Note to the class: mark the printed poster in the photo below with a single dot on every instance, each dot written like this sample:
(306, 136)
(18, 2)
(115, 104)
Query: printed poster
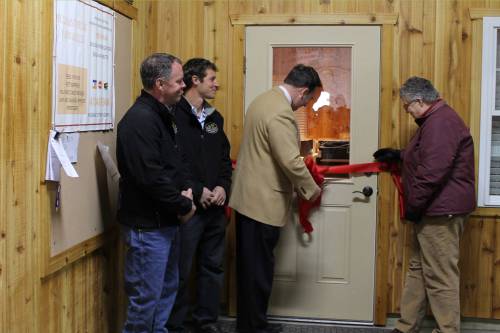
(83, 94)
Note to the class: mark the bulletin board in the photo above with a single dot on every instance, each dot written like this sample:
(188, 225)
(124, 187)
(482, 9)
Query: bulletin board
(88, 204)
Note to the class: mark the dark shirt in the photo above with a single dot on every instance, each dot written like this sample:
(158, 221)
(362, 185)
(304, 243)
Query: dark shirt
(151, 166)
(206, 148)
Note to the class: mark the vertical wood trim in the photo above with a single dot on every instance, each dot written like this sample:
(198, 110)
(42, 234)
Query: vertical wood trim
(475, 88)
(44, 123)
(3, 167)
(234, 133)
(237, 77)
(42, 114)
(386, 189)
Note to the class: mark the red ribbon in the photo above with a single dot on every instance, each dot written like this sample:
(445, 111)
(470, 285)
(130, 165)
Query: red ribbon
(318, 173)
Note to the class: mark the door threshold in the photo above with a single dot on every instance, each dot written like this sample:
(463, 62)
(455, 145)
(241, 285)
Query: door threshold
(304, 320)
(316, 321)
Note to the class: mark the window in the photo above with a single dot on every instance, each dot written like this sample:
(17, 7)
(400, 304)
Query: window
(489, 153)
(324, 123)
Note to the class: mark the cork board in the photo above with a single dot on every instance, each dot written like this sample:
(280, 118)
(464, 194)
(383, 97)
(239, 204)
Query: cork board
(88, 203)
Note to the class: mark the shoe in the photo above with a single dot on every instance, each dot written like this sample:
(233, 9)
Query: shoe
(209, 328)
(396, 331)
(274, 328)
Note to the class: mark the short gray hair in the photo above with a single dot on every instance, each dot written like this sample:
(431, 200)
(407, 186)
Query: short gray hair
(418, 88)
(156, 66)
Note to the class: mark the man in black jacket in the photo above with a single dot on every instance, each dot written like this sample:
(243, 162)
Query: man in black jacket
(155, 195)
(202, 138)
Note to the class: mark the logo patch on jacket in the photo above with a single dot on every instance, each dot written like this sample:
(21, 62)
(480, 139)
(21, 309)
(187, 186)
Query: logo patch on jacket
(211, 128)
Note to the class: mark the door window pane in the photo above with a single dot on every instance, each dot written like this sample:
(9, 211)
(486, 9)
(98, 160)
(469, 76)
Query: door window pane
(324, 124)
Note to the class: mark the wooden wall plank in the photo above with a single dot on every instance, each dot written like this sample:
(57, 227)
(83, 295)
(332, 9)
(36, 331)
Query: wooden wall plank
(485, 268)
(234, 130)
(386, 189)
(495, 302)
(469, 271)
(3, 168)
(168, 27)
(192, 35)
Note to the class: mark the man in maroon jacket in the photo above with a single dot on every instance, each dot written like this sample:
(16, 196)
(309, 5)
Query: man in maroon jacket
(439, 189)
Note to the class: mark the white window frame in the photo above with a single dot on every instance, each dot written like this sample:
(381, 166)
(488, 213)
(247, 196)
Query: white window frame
(489, 69)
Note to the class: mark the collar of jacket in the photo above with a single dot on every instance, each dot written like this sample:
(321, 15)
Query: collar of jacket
(155, 104)
(187, 107)
(282, 93)
(433, 108)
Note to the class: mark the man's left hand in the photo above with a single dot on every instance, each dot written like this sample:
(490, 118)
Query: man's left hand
(218, 196)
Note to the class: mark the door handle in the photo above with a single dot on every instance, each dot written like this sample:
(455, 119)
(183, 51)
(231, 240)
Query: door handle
(367, 191)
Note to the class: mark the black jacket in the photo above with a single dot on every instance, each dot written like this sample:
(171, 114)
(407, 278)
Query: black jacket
(151, 166)
(206, 149)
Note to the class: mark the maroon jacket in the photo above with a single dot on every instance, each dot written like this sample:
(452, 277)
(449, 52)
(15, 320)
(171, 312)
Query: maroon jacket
(438, 165)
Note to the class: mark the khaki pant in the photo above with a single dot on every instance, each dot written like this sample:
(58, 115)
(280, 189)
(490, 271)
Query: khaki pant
(433, 276)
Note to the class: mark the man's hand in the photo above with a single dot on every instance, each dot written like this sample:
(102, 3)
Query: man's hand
(218, 196)
(186, 217)
(205, 199)
(188, 194)
(316, 195)
(387, 155)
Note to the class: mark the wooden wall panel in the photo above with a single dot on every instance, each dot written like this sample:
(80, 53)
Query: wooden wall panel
(3, 168)
(72, 300)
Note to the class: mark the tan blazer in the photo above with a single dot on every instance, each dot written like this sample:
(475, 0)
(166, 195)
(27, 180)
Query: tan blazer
(269, 165)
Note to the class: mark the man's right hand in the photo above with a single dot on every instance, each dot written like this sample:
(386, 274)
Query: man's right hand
(315, 195)
(205, 199)
(188, 194)
(186, 217)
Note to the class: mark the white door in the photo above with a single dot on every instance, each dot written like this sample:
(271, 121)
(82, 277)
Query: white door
(331, 274)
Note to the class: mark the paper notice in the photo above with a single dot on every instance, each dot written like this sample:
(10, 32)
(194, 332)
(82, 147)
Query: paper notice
(70, 143)
(53, 166)
(108, 162)
(57, 157)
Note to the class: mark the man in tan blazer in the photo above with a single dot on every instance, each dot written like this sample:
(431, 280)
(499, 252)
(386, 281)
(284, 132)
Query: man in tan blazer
(268, 171)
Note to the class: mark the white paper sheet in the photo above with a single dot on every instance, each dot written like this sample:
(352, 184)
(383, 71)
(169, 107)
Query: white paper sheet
(57, 157)
(53, 166)
(70, 143)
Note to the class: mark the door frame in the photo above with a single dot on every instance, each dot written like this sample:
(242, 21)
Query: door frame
(386, 197)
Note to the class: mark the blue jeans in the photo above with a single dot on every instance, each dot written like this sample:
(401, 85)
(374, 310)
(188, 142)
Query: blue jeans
(151, 278)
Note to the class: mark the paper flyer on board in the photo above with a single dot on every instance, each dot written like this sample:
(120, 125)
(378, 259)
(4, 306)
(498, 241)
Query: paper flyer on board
(57, 158)
(83, 70)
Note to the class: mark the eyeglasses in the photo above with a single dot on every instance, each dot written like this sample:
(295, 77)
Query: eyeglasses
(407, 105)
